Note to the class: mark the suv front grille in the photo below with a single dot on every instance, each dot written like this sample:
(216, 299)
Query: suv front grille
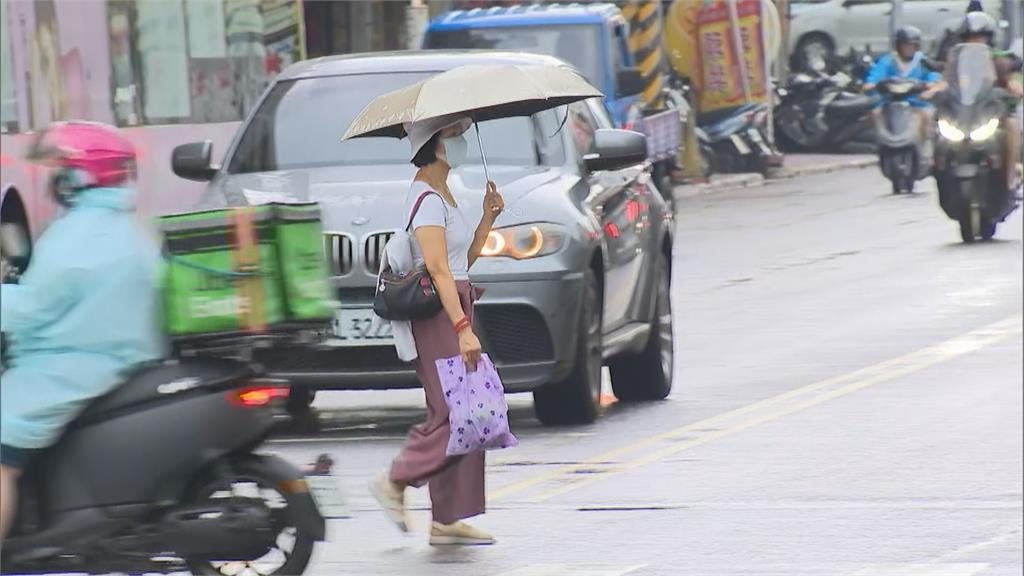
(515, 334)
(339, 253)
(373, 250)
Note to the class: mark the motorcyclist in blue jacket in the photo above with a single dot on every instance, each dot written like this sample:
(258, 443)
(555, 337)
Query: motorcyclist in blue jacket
(85, 310)
(908, 62)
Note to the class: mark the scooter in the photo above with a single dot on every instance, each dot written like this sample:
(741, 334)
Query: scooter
(161, 475)
(823, 112)
(970, 152)
(737, 139)
(903, 153)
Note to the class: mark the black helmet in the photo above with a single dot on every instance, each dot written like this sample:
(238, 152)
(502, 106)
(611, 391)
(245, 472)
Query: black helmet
(978, 24)
(908, 35)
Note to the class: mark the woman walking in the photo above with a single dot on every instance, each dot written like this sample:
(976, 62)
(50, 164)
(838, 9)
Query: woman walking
(448, 246)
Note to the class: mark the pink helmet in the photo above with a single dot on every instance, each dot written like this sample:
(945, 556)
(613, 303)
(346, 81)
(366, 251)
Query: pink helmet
(95, 153)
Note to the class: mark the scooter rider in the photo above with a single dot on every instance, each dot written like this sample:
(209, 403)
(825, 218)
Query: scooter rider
(980, 28)
(908, 62)
(85, 309)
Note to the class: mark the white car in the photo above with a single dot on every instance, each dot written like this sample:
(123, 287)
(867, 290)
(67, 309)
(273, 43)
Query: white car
(822, 28)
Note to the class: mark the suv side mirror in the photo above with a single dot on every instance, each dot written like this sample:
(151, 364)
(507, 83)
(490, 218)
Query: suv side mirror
(629, 82)
(616, 149)
(192, 161)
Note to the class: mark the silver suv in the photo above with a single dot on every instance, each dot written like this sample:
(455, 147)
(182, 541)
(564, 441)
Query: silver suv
(576, 274)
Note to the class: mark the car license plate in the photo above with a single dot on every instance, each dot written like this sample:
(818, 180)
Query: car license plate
(360, 327)
(330, 500)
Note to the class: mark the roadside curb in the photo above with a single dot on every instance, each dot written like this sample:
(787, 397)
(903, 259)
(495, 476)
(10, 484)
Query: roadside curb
(735, 181)
(825, 168)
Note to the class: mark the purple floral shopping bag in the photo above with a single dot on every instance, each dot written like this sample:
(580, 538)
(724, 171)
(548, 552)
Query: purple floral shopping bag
(477, 411)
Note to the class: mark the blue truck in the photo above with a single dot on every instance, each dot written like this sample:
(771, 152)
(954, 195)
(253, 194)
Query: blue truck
(593, 38)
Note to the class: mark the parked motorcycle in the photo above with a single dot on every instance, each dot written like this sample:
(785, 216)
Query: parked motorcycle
(970, 151)
(161, 475)
(738, 139)
(903, 150)
(823, 112)
(678, 94)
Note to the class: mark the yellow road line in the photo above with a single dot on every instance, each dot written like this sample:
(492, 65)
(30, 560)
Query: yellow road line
(760, 412)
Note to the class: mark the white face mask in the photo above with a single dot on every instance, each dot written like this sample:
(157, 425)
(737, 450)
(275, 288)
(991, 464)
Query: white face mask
(455, 151)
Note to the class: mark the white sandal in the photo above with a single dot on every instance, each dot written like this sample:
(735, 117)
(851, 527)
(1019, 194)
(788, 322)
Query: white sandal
(458, 534)
(391, 499)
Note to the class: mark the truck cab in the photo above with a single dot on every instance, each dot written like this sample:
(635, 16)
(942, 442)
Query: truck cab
(593, 38)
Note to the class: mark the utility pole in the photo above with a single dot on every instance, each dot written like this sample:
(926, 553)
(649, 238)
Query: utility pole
(1013, 12)
(895, 21)
(417, 16)
(782, 59)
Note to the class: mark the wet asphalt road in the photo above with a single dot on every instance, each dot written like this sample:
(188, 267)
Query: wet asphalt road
(848, 401)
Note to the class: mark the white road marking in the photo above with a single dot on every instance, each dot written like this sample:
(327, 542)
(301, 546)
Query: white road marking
(568, 570)
(1013, 532)
(966, 569)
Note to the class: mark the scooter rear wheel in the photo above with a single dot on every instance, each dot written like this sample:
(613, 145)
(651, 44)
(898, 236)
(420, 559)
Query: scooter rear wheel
(966, 230)
(292, 548)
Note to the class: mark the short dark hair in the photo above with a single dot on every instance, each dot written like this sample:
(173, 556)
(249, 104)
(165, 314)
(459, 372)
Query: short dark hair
(427, 154)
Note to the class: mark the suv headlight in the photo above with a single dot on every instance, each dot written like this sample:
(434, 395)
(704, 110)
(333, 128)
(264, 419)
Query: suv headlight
(985, 131)
(524, 241)
(950, 132)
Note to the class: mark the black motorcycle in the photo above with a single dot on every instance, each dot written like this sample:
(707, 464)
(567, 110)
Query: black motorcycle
(737, 138)
(970, 153)
(903, 153)
(161, 475)
(823, 112)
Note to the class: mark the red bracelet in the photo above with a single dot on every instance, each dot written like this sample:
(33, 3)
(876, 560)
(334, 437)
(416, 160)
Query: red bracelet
(462, 324)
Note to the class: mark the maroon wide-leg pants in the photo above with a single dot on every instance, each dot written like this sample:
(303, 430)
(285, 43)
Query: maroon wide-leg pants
(456, 482)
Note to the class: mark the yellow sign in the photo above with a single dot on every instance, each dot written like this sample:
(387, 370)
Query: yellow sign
(702, 45)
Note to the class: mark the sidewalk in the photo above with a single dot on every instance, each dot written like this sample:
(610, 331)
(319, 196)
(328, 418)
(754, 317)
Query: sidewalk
(794, 165)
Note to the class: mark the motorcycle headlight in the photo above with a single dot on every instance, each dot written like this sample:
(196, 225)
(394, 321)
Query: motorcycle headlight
(524, 241)
(985, 131)
(950, 132)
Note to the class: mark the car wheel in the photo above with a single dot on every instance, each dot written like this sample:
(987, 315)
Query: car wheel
(811, 49)
(300, 402)
(576, 399)
(648, 375)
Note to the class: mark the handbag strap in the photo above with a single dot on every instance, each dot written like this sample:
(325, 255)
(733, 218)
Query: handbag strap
(416, 207)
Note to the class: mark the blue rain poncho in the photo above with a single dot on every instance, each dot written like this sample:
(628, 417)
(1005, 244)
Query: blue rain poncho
(83, 313)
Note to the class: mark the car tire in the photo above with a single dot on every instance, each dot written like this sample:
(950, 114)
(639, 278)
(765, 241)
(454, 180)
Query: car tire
(577, 399)
(300, 402)
(648, 375)
(811, 45)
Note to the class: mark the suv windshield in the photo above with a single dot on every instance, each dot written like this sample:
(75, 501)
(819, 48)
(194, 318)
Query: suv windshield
(300, 124)
(573, 43)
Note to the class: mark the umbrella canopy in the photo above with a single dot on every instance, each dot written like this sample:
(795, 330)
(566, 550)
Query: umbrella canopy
(479, 92)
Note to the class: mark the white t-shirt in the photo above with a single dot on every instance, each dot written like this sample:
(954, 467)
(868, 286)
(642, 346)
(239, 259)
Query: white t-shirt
(436, 212)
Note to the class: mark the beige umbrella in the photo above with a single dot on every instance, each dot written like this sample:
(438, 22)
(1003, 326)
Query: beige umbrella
(479, 92)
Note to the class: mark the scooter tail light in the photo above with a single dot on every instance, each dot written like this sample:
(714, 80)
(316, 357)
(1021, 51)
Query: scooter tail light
(258, 393)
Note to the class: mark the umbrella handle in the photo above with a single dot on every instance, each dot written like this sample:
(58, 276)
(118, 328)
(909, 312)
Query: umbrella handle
(480, 143)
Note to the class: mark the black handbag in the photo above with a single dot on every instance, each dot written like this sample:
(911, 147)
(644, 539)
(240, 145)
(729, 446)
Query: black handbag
(408, 296)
